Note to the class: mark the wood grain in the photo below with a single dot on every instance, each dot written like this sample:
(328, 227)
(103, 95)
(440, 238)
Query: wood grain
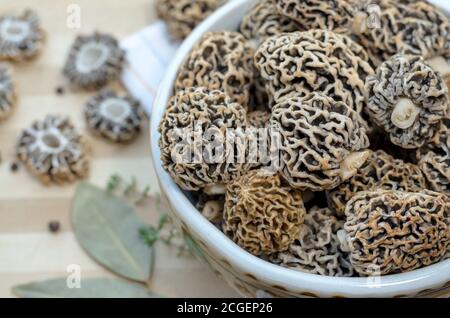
(28, 252)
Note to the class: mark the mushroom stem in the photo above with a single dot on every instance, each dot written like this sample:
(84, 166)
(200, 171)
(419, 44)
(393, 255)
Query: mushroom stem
(352, 163)
(440, 65)
(343, 237)
(359, 24)
(404, 113)
(216, 188)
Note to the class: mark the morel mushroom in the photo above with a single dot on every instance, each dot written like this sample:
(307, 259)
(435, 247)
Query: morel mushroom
(194, 128)
(182, 16)
(408, 100)
(7, 92)
(302, 62)
(322, 142)
(114, 117)
(380, 171)
(94, 61)
(393, 231)
(259, 119)
(21, 36)
(221, 60)
(434, 160)
(261, 215)
(54, 151)
(264, 21)
(317, 248)
(211, 207)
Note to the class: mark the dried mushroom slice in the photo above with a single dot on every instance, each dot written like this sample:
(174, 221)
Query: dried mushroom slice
(408, 100)
(21, 36)
(264, 21)
(190, 154)
(322, 142)
(259, 119)
(317, 249)
(261, 214)
(94, 61)
(182, 16)
(315, 61)
(380, 171)
(434, 160)
(7, 92)
(54, 151)
(221, 60)
(393, 231)
(334, 15)
(114, 117)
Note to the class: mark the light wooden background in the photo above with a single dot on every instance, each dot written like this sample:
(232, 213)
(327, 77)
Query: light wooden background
(28, 252)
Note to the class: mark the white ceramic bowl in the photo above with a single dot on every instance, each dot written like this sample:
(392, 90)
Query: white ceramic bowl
(248, 274)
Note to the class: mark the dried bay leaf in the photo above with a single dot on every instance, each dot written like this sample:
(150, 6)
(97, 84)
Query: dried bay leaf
(108, 229)
(89, 288)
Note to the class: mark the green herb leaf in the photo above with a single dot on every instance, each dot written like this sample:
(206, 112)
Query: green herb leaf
(89, 288)
(107, 228)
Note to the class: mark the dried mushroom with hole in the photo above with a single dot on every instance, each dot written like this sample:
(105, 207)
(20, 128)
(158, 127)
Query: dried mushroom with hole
(261, 214)
(380, 171)
(94, 61)
(193, 131)
(408, 100)
(221, 60)
(322, 143)
(182, 16)
(317, 249)
(393, 231)
(434, 160)
(7, 92)
(264, 21)
(54, 151)
(118, 118)
(21, 36)
(315, 61)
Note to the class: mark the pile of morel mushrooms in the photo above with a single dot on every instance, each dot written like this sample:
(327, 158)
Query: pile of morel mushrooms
(353, 97)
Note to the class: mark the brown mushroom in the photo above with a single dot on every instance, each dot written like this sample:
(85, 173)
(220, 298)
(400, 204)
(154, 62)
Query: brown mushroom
(315, 61)
(193, 131)
(434, 160)
(408, 100)
(54, 151)
(7, 92)
(94, 61)
(221, 60)
(261, 215)
(317, 249)
(380, 171)
(182, 16)
(259, 119)
(393, 231)
(211, 207)
(21, 36)
(118, 118)
(322, 142)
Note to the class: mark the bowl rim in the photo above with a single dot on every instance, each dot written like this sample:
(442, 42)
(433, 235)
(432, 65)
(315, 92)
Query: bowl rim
(409, 283)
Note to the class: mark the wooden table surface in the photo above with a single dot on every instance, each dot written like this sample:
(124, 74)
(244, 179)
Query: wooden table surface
(28, 252)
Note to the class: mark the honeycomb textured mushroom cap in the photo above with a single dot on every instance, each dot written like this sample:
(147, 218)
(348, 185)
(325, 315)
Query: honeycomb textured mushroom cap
(221, 60)
(94, 61)
(54, 151)
(21, 36)
(182, 16)
(408, 27)
(261, 214)
(317, 250)
(264, 21)
(333, 15)
(321, 141)
(190, 117)
(434, 160)
(380, 171)
(302, 62)
(7, 91)
(259, 119)
(393, 231)
(408, 100)
(118, 118)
